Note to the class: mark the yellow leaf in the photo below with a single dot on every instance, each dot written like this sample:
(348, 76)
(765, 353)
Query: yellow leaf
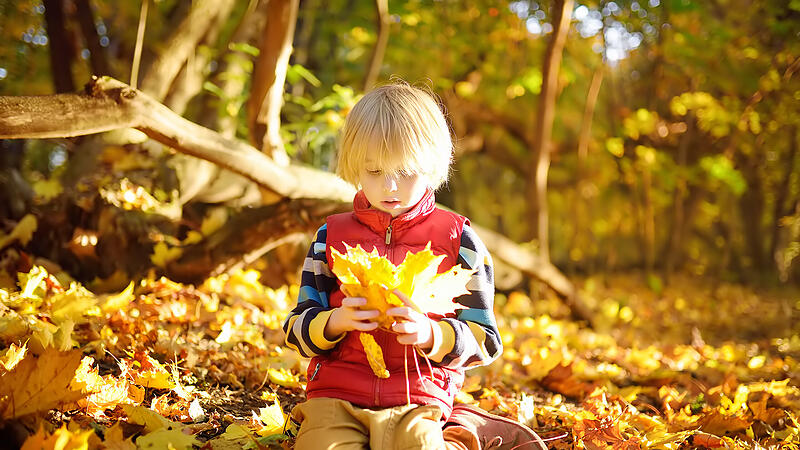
(151, 420)
(22, 232)
(61, 439)
(13, 356)
(153, 375)
(118, 301)
(48, 189)
(71, 304)
(271, 418)
(164, 439)
(235, 437)
(33, 283)
(757, 362)
(374, 355)
(163, 254)
(115, 439)
(104, 392)
(215, 219)
(283, 377)
(39, 383)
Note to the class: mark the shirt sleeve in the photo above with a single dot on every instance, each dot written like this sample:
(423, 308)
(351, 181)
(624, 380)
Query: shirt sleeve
(472, 338)
(305, 325)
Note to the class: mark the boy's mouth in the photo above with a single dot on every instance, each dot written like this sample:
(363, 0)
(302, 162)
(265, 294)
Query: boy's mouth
(390, 203)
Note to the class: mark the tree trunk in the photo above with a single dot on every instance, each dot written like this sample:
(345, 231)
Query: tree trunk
(189, 81)
(61, 53)
(232, 75)
(784, 188)
(269, 75)
(675, 239)
(578, 209)
(303, 39)
(751, 204)
(540, 161)
(181, 45)
(97, 56)
(648, 219)
(382, 39)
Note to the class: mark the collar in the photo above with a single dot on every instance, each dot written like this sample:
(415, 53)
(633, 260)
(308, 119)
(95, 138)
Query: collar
(378, 220)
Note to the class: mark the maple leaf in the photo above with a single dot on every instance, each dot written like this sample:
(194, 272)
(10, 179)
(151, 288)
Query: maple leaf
(369, 275)
(152, 374)
(164, 438)
(114, 439)
(40, 383)
(235, 437)
(105, 392)
(269, 420)
(283, 377)
(151, 420)
(61, 439)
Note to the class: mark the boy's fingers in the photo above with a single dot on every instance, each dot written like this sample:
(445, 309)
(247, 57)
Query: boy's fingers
(365, 326)
(400, 311)
(404, 327)
(354, 301)
(368, 314)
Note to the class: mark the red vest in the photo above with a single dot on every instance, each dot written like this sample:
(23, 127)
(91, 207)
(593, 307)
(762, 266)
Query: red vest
(345, 373)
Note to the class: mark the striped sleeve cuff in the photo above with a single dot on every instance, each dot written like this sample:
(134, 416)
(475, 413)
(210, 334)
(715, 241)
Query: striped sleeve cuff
(444, 338)
(316, 331)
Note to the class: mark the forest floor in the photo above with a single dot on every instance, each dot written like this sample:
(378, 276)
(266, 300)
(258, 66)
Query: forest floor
(697, 364)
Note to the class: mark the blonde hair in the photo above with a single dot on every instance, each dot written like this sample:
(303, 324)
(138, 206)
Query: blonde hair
(403, 128)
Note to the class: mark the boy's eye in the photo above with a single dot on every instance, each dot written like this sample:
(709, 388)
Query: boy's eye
(374, 172)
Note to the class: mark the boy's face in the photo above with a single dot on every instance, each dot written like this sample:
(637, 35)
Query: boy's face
(391, 193)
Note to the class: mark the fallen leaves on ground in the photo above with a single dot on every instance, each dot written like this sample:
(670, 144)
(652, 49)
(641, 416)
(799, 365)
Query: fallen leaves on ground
(165, 364)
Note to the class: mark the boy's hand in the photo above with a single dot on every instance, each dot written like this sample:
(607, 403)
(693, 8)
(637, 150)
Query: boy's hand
(412, 327)
(348, 318)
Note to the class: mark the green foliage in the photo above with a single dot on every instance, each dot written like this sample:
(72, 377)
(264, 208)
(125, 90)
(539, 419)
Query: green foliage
(720, 168)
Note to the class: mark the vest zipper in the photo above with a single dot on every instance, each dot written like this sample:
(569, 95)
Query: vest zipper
(388, 235)
(314, 375)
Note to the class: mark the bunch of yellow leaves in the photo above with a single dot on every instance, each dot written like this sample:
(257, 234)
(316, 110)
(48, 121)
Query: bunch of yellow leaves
(375, 278)
(369, 275)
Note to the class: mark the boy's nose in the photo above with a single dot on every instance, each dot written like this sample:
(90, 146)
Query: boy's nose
(390, 183)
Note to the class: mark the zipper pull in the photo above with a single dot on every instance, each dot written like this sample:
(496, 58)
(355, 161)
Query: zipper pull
(388, 235)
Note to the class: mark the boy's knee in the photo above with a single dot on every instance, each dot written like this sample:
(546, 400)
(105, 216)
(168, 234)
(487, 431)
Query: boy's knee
(419, 429)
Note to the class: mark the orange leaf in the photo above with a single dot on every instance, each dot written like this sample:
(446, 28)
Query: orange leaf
(38, 384)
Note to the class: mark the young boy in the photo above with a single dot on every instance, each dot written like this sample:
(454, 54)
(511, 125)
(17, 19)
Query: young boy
(396, 148)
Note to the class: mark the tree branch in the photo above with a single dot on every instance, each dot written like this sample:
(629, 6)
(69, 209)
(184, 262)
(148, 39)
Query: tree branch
(109, 104)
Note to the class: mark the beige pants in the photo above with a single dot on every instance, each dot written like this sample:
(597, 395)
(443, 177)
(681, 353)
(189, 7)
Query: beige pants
(329, 423)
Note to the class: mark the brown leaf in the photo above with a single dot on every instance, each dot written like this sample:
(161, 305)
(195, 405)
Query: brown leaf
(38, 384)
(562, 380)
(716, 422)
(765, 414)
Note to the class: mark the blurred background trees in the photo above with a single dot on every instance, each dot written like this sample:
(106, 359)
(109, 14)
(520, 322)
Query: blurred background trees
(673, 147)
